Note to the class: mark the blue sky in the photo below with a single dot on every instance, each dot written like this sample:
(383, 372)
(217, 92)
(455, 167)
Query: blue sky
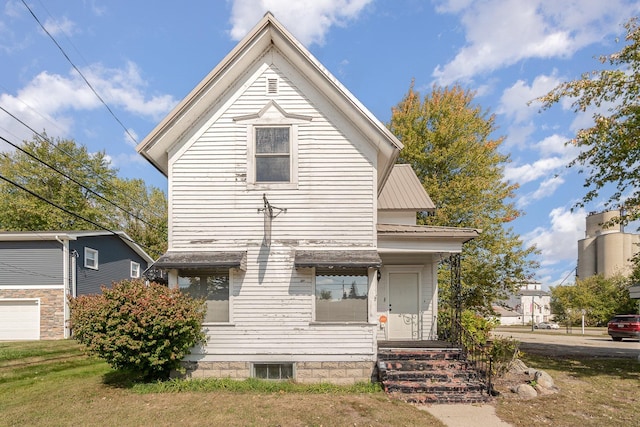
(144, 57)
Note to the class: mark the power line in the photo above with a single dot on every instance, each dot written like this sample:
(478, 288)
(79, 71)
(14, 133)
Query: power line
(50, 141)
(77, 182)
(67, 211)
(80, 73)
(101, 227)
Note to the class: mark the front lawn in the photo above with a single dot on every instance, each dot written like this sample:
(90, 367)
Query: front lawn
(593, 392)
(50, 383)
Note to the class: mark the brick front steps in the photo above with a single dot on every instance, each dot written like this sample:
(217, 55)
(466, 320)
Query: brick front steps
(429, 376)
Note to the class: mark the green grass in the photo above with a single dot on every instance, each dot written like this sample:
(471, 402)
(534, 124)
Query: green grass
(52, 383)
(593, 392)
(250, 385)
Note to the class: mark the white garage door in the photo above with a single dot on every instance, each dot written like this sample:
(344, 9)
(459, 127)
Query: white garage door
(19, 319)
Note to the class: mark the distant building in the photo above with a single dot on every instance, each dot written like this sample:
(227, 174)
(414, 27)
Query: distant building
(606, 251)
(531, 303)
(507, 317)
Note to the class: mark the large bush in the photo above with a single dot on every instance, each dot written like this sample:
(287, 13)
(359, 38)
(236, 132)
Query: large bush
(147, 329)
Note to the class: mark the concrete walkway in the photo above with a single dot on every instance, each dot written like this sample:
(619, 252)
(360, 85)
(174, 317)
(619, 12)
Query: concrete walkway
(465, 415)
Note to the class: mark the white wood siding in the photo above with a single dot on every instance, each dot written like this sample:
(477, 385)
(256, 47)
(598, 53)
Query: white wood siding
(211, 206)
(332, 206)
(272, 318)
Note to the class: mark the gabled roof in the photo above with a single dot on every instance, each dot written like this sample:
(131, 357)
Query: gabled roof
(404, 191)
(24, 236)
(268, 33)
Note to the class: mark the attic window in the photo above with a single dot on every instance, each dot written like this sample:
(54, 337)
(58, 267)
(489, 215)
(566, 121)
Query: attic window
(272, 86)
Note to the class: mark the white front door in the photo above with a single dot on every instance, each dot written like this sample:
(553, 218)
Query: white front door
(403, 306)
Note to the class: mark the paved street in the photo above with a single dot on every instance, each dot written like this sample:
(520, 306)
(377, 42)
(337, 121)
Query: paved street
(594, 343)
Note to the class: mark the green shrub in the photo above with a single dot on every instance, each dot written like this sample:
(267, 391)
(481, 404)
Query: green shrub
(146, 329)
(477, 326)
(504, 351)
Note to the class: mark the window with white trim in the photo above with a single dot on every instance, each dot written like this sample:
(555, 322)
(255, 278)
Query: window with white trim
(213, 287)
(135, 270)
(341, 298)
(91, 258)
(272, 154)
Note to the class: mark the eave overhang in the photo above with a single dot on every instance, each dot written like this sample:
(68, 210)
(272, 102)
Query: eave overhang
(423, 238)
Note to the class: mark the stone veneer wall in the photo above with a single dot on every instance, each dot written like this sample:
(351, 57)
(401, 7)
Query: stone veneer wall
(305, 372)
(51, 309)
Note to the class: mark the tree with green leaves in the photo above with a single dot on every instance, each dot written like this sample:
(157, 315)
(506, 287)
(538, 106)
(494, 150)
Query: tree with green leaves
(600, 299)
(43, 173)
(610, 149)
(448, 141)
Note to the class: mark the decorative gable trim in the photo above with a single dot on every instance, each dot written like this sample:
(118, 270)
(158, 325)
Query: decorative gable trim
(272, 113)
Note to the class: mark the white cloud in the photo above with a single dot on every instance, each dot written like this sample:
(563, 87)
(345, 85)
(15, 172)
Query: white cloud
(546, 189)
(554, 155)
(126, 159)
(64, 26)
(518, 135)
(124, 87)
(532, 171)
(13, 8)
(49, 101)
(500, 33)
(558, 243)
(308, 20)
(514, 102)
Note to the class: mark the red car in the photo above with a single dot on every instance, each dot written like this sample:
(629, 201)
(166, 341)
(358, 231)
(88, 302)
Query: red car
(624, 326)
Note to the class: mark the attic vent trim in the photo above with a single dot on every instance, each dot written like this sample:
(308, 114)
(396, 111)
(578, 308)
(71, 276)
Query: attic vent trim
(272, 86)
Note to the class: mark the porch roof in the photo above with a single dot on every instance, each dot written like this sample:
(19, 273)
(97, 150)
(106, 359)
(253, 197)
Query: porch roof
(337, 259)
(202, 260)
(427, 231)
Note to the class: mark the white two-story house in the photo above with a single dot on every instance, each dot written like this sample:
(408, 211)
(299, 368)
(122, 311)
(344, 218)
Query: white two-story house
(288, 214)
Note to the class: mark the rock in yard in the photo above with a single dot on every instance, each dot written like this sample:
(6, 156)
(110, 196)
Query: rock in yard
(525, 391)
(544, 380)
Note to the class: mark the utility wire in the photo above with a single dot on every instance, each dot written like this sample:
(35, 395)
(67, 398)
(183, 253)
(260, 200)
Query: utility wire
(50, 141)
(101, 227)
(67, 211)
(77, 182)
(80, 72)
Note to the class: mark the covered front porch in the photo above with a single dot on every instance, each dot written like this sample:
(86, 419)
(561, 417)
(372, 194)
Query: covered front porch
(407, 291)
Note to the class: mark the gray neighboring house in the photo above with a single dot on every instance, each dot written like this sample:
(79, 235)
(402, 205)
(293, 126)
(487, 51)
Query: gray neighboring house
(38, 270)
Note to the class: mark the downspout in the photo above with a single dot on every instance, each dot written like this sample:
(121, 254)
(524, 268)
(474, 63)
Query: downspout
(65, 280)
(74, 279)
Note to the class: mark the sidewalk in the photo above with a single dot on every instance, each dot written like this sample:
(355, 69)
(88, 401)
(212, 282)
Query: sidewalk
(465, 415)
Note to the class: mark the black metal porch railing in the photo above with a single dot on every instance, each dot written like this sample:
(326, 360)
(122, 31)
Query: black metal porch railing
(474, 353)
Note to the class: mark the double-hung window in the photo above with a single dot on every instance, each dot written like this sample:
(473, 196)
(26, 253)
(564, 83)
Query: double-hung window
(135, 270)
(272, 144)
(272, 154)
(91, 258)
